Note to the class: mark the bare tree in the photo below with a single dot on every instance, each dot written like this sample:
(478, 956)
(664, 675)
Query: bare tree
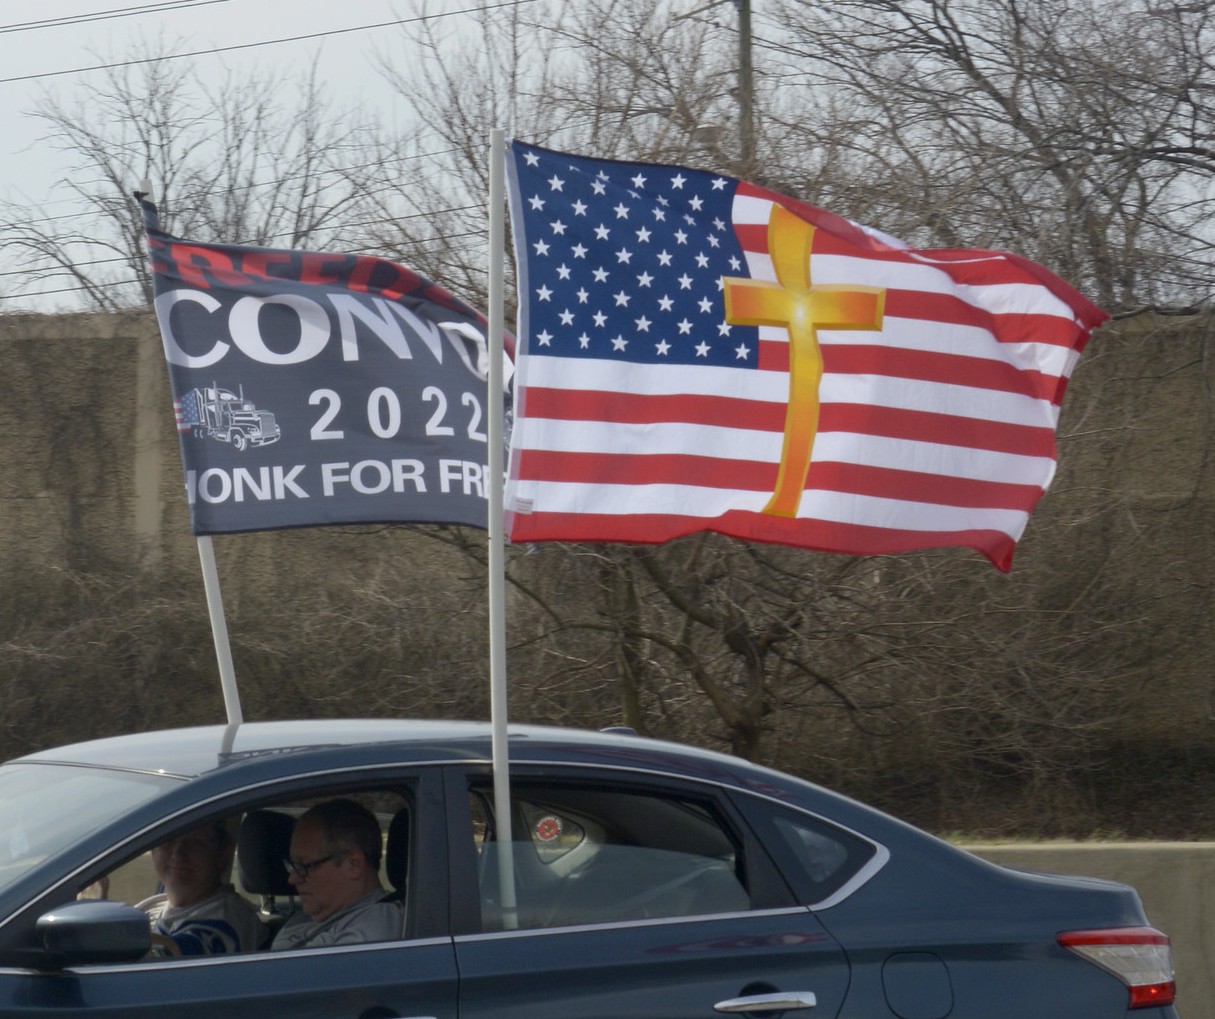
(266, 160)
(1074, 132)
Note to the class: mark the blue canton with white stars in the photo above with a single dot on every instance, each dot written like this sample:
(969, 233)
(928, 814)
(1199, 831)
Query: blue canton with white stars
(624, 261)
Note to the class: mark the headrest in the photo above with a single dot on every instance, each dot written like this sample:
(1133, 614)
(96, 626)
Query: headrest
(396, 854)
(263, 844)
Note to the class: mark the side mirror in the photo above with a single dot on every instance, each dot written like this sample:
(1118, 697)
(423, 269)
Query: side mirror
(93, 931)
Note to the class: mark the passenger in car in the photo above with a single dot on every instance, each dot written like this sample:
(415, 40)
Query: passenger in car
(199, 912)
(334, 867)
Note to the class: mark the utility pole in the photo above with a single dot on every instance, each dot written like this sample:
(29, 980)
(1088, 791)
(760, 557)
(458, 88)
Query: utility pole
(746, 89)
(746, 124)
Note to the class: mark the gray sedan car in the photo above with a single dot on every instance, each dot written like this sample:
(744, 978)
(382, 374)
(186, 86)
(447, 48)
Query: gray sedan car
(643, 880)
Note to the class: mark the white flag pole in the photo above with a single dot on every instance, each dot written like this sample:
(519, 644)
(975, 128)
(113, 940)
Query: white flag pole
(497, 559)
(206, 556)
(219, 630)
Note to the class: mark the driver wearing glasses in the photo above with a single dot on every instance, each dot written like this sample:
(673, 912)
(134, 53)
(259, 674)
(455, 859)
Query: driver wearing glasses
(334, 867)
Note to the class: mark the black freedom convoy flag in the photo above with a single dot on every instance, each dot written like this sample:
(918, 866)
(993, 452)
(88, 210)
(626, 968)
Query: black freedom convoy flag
(315, 389)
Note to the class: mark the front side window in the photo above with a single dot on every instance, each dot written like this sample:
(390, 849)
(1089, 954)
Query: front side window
(305, 872)
(584, 855)
(215, 951)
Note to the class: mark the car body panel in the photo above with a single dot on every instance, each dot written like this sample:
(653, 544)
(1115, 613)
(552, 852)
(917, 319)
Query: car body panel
(409, 979)
(659, 969)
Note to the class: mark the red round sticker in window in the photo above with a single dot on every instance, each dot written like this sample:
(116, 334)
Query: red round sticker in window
(548, 828)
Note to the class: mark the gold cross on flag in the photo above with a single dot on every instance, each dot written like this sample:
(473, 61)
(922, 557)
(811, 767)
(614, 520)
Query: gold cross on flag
(802, 308)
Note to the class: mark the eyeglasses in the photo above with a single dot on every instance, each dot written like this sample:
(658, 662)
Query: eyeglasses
(302, 870)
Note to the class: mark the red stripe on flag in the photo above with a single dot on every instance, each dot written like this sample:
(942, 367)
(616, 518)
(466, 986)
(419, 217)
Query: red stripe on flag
(930, 366)
(651, 469)
(752, 237)
(941, 429)
(756, 415)
(1004, 327)
(913, 486)
(751, 476)
(818, 535)
(924, 366)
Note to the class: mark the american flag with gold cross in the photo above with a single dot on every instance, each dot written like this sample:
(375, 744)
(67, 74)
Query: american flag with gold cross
(699, 353)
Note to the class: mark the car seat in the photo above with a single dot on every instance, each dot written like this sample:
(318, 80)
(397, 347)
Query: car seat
(263, 843)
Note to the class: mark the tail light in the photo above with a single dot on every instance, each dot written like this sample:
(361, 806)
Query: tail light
(1138, 956)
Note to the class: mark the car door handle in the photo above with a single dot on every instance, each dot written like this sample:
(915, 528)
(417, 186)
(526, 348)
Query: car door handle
(783, 1001)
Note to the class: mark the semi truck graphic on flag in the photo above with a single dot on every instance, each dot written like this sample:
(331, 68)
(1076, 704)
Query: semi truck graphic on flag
(213, 412)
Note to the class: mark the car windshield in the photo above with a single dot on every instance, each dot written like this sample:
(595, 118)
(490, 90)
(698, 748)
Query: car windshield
(45, 808)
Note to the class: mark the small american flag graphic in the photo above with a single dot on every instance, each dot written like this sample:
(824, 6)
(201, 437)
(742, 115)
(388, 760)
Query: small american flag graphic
(187, 411)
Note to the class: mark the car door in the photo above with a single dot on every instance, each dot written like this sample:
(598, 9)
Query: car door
(635, 897)
(412, 977)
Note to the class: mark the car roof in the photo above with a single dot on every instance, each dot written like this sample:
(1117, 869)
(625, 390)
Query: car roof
(279, 749)
(192, 752)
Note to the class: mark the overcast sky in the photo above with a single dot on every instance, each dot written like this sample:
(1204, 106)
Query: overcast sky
(39, 42)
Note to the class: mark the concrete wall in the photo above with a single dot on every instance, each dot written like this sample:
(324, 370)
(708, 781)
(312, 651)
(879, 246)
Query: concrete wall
(89, 471)
(1175, 881)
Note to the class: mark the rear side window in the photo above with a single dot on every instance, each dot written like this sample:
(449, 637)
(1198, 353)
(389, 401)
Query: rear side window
(817, 858)
(585, 855)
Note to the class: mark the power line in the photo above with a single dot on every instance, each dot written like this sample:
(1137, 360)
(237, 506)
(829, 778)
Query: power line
(191, 196)
(265, 42)
(66, 290)
(438, 214)
(167, 6)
